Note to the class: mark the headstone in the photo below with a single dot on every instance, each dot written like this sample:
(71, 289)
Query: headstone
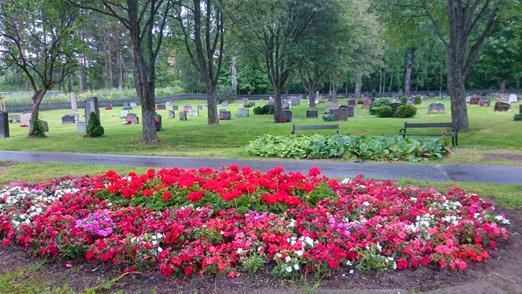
(468, 99)
(172, 114)
(74, 104)
(312, 113)
(411, 100)
(243, 112)
(295, 100)
(126, 104)
(133, 104)
(183, 115)
(224, 103)
(126, 108)
(225, 115)
(332, 106)
(244, 101)
(14, 118)
(160, 106)
(474, 101)
(124, 113)
(283, 117)
(68, 119)
(484, 102)
(187, 107)
(520, 109)
(108, 107)
(199, 107)
(193, 112)
(502, 106)
(366, 103)
(81, 128)
(513, 98)
(352, 102)
(91, 105)
(435, 108)
(175, 107)
(339, 113)
(350, 110)
(4, 124)
(26, 120)
(157, 122)
(270, 101)
(132, 119)
(286, 105)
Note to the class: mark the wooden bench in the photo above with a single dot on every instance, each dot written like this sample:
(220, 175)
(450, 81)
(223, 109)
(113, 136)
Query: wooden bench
(454, 132)
(314, 127)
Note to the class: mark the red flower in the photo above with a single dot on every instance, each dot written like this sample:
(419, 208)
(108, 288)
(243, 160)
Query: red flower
(166, 196)
(195, 196)
(314, 171)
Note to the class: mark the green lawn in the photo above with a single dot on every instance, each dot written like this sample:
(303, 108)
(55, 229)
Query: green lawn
(489, 131)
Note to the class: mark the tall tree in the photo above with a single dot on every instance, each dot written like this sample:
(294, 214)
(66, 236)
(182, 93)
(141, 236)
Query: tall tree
(146, 22)
(39, 37)
(202, 25)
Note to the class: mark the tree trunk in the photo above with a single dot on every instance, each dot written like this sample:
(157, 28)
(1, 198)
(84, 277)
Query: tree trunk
(334, 92)
(456, 90)
(278, 103)
(37, 100)
(213, 117)
(407, 72)
(148, 110)
(81, 74)
(358, 85)
(503, 86)
(121, 71)
(233, 77)
(311, 97)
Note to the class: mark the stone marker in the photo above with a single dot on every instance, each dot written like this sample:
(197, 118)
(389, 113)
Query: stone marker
(331, 106)
(175, 107)
(187, 107)
(312, 113)
(270, 101)
(502, 106)
(435, 108)
(225, 114)
(108, 107)
(244, 101)
(4, 124)
(157, 122)
(26, 120)
(68, 119)
(91, 105)
(283, 117)
(193, 112)
(350, 109)
(183, 115)
(243, 112)
(474, 101)
(224, 103)
(133, 104)
(81, 128)
(160, 106)
(286, 105)
(14, 118)
(199, 107)
(513, 98)
(352, 102)
(124, 113)
(468, 99)
(172, 114)
(74, 104)
(366, 103)
(295, 100)
(132, 119)
(485, 102)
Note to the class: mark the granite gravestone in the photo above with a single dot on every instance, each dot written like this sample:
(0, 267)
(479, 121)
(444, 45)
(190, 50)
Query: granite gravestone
(485, 102)
(124, 113)
(133, 104)
(513, 98)
(74, 104)
(4, 124)
(350, 110)
(283, 117)
(187, 107)
(474, 101)
(243, 112)
(224, 103)
(295, 100)
(502, 106)
(435, 108)
(468, 99)
(91, 105)
(68, 119)
(193, 112)
(183, 116)
(14, 118)
(132, 119)
(225, 115)
(157, 122)
(160, 106)
(81, 128)
(172, 114)
(199, 107)
(331, 106)
(312, 113)
(352, 102)
(175, 107)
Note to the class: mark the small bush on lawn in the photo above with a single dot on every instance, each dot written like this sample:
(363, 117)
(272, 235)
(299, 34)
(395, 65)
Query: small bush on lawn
(355, 147)
(249, 104)
(418, 100)
(258, 110)
(94, 128)
(377, 104)
(404, 99)
(37, 129)
(385, 111)
(406, 110)
(266, 109)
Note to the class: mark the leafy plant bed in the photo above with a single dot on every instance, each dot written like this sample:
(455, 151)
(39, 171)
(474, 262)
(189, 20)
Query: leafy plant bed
(356, 147)
(191, 222)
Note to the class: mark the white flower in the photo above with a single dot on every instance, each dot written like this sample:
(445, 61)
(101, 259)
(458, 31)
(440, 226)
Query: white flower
(296, 267)
(366, 203)
(288, 258)
(289, 269)
(351, 271)
(299, 253)
(240, 251)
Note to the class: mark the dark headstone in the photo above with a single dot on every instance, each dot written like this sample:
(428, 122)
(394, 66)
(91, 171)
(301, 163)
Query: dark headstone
(175, 107)
(157, 122)
(172, 114)
(68, 119)
(352, 102)
(502, 106)
(520, 109)
(312, 113)
(283, 117)
(436, 108)
(485, 102)
(132, 119)
(474, 101)
(160, 106)
(350, 110)
(108, 107)
(91, 105)
(187, 107)
(225, 115)
(182, 115)
(4, 124)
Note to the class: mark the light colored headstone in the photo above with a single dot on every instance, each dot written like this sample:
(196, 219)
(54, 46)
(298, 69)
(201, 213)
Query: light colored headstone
(193, 112)
(332, 106)
(513, 98)
(25, 121)
(133, 104)
(468, 99)
(132, 119)
(124, 113)
(74, 104)
(243, 112)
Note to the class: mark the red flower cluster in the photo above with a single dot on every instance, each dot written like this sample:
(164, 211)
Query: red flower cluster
(183, 222)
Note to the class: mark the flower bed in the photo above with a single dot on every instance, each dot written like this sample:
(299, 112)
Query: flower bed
(356, 147)
(187, 222)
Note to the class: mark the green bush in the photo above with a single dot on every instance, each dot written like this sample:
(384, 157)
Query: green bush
(258, 110)
(354, 147)
(249, 104)
(518, 117)
(418, 100)
(385, 111)
(267, 109)
(94, 128)
(406, 110)
(377, 104)
(37, 129)
(404, 99)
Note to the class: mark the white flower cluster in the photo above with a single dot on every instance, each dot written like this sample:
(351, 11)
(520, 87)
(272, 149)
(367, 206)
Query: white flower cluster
(502, 220)
(451, 219)
(422, 223)
(346, 181)
(153, 239)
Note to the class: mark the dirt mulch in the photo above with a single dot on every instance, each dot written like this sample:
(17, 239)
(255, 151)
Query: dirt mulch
(501, 156)
(500, 274)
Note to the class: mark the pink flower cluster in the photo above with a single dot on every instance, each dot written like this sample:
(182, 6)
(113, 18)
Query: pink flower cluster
(187, 222)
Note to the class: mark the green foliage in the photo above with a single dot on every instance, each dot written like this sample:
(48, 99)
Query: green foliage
(373, 260)
(355, 147)
(94, 128)
(266, 109)
(418, 100)
(518, 117)
(249, 104)
(254, 263)
(258, 110)
(404, 99)
(385, 111)
(406, 110)
(378, 103)
(37, 129)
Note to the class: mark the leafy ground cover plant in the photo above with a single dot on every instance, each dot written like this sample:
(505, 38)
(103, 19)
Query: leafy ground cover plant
(294, 224)
(356, 147)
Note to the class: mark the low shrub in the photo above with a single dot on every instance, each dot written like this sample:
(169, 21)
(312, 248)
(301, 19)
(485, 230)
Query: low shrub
(249, 104)
(268, 109)
(404, 99)
(354, 147)
(258, 110)
(94, 128)
(385, 111)
(37, 129)
(418, 100)
(406, 110)
(378, 103)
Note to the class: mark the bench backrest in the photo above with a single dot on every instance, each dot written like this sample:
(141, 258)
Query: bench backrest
(428, 125)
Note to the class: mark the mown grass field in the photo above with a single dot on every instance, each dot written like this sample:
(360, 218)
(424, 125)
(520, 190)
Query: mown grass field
(490, 132)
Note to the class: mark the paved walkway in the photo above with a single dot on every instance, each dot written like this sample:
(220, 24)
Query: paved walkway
(431, 172)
